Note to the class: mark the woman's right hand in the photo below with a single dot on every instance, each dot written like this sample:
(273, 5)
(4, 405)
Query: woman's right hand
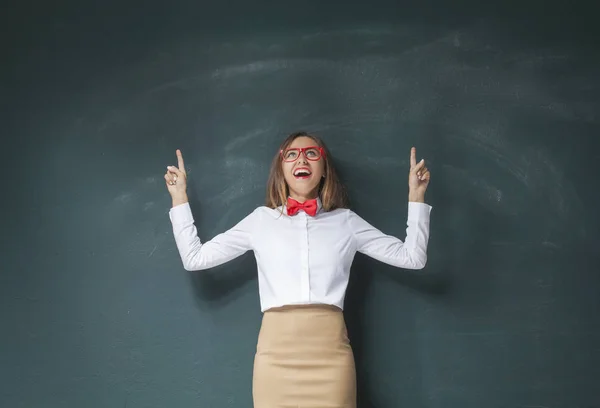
(176, 180)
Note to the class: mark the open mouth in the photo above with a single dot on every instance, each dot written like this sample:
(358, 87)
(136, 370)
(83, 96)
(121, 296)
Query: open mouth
(302, 173)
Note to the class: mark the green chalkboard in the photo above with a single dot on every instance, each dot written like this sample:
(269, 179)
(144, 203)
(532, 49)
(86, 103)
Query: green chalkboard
(502, 102)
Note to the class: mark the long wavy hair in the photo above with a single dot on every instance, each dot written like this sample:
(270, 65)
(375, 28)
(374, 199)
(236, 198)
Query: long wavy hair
(331, 190)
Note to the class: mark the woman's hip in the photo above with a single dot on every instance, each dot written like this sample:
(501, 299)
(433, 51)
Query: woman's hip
(304, 330)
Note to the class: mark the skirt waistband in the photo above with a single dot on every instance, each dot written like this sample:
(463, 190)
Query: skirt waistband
(304, 308)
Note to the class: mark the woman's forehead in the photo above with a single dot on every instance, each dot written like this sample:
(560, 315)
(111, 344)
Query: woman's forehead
(303, 141)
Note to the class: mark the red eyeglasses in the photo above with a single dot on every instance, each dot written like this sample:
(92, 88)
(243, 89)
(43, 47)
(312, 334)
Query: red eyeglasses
(312, 153)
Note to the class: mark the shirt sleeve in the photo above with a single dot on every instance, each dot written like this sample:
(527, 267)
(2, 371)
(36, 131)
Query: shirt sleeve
(224, 247)
(411, 254)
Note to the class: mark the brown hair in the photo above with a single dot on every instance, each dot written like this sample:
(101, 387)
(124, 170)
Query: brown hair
(331, 190)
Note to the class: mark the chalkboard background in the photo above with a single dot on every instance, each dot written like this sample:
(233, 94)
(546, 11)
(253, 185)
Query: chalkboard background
(501, 100)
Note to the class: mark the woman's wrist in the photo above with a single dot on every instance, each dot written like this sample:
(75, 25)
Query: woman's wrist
(180, 199)
(416, 196)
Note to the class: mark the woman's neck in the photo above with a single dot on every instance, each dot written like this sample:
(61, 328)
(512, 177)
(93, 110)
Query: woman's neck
(303, 198)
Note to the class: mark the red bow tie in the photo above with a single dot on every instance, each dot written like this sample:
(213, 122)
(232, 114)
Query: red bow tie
(309, 206)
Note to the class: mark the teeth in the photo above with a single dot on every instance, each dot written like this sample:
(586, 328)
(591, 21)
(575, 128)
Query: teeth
(301, 171)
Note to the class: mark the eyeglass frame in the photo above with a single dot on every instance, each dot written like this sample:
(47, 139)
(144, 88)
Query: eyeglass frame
(302, 150)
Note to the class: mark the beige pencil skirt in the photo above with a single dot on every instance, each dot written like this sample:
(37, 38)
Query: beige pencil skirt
(304, 359)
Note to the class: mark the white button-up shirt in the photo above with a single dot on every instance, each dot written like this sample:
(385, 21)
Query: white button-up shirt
(302, 259)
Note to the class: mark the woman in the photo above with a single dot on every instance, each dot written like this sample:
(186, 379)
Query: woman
(304, 240)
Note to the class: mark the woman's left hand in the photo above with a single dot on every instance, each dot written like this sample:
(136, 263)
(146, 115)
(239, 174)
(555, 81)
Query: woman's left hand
(418, 177)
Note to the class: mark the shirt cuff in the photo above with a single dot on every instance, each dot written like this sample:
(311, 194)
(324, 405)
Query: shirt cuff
(181, 214)
(418, 211)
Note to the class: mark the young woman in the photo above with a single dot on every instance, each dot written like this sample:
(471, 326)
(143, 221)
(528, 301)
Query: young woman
(304, 240)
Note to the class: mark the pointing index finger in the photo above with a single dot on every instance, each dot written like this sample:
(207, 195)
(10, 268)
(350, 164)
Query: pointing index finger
(180, 161)
(413, 157)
